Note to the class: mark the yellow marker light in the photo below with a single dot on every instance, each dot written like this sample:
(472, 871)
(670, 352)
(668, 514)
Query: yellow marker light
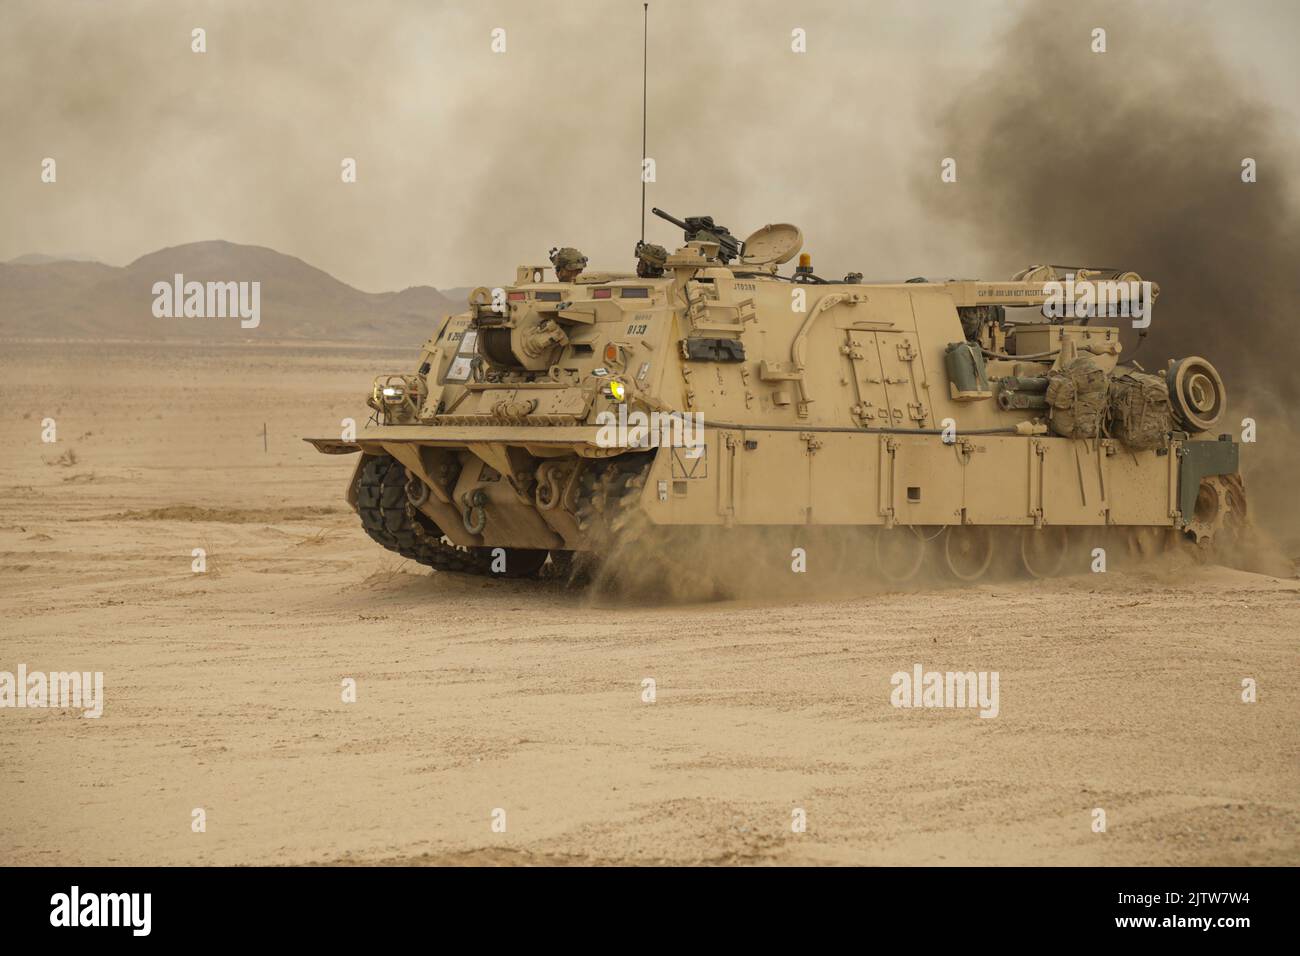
(805, 260)
(617, 391)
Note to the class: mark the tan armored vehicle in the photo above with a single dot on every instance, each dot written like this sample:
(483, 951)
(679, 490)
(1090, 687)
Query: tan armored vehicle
(708, 397)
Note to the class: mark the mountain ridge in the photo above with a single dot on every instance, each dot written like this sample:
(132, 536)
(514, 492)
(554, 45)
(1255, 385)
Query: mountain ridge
(71, 298)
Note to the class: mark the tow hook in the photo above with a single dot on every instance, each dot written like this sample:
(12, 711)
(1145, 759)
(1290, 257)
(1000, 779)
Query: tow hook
(473, 514)
(417, 492)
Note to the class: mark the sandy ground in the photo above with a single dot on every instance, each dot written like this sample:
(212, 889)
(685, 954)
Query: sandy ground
(1118, 691)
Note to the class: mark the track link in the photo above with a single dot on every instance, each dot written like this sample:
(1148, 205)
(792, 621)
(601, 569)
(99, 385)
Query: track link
(392, 521)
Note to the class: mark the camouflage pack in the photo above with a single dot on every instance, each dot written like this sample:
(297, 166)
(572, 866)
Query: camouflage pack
(1138, 409)
(1076, 393)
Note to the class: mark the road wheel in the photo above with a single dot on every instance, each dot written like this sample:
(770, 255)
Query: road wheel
(1043, 550)
(967, 551)
(900, 553)
(1149, 542)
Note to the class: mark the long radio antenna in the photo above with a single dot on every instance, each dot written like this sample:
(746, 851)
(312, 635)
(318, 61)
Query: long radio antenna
(645, 52)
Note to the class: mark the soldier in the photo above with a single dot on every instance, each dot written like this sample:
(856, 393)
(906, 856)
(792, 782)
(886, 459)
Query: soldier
(568, 262)
(650, 260)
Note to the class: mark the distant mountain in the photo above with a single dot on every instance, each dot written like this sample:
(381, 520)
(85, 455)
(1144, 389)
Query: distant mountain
(71, 299)
(459, 294)
(37, 259)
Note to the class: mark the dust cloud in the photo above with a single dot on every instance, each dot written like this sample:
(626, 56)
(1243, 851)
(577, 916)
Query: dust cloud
(1133, 159)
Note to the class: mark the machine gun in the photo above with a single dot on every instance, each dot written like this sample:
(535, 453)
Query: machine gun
(703, 227)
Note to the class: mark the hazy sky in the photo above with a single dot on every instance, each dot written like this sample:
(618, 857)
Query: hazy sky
(471, 161)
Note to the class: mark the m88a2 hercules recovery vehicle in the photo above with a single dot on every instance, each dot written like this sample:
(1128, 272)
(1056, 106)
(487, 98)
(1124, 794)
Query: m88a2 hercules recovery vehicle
(949, 421)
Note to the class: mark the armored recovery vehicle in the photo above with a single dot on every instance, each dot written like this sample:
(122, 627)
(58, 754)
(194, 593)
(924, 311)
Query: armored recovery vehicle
(954, 423)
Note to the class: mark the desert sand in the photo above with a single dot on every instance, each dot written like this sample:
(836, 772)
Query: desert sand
(1119, 691)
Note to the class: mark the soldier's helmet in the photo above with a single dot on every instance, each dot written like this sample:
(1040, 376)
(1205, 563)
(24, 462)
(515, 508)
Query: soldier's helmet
(567, 258)
(651, 255)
